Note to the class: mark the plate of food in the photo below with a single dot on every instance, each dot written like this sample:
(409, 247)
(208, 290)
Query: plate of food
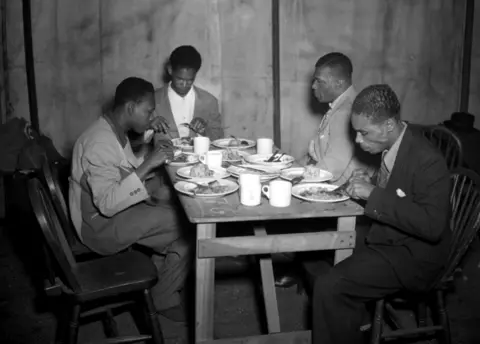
(311, 174)
(283, 161)
(265, 173)
(184, 158)
(202, 172)
(318, 192)
(217, 188)
(233, 155)
(185, 143)
(237, 143)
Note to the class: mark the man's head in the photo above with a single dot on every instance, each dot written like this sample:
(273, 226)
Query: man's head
(333, 75)
(376, 118)
(134, 98)
(184, 63)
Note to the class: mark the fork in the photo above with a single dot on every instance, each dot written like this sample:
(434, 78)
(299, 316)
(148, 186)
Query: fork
(342, 187)
(273, 156)
(191, 128)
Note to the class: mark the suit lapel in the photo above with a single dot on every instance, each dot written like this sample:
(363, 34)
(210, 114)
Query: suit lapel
(396, 180)
(164, 109)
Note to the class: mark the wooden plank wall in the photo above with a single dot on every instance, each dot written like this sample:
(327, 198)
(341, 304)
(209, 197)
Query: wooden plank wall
(84, 48)
(474, 100)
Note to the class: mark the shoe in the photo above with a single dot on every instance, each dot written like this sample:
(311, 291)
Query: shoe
(176, 314)
(285, 281)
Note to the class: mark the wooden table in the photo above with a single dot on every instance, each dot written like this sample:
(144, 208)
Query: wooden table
(207, 212)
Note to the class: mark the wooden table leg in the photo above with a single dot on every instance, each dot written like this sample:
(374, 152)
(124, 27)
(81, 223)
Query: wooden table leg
(268, 287)
(344, 224)
(204, 288)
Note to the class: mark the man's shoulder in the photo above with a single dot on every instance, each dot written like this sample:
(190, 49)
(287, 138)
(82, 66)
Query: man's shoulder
(204, 94)
(160, 92)
(422, 150)
(99, 132)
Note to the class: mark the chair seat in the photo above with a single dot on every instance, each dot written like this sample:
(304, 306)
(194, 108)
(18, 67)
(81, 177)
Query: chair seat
(114, 275)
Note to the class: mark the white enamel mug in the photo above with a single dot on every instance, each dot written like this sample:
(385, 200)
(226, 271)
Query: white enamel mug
(201, 145)
(264, 146)
(250, 189)
(279, 193)
(212, 159)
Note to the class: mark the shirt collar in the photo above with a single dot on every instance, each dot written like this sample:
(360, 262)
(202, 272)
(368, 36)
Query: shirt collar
(389, 156)
(171, 92)
(339, 98)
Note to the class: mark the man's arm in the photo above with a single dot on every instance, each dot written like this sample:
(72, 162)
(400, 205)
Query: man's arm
(214, 128)
(424, 213)
(114, 188)
(340, 146)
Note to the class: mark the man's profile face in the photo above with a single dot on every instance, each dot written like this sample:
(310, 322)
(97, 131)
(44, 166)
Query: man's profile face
(370, 136)
(182, 79)
(324, 84)
(142, 113)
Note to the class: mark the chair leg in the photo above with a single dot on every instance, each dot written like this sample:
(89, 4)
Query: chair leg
(422, 314)
(443, 317)
(377, 326)
(152, 318)
(110, 325)
(72, 333)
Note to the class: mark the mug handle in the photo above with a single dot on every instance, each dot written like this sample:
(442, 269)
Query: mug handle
(266, 191)
(202, 158)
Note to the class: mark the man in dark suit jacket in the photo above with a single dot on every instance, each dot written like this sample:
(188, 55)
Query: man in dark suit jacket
(180, 102)
(408, 242)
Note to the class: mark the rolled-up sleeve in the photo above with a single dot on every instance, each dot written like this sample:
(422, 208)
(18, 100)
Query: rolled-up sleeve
(114, 187)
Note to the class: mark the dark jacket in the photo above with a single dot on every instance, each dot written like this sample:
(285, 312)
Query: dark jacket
(412, 232)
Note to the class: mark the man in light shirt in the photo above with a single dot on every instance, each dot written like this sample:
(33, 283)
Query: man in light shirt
(109, 193)
(180, 103)
(333, 148)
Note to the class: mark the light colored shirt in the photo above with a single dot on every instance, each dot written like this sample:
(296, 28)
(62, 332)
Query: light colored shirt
(104, 170)
(326, 118)
(182, 109)
(389, 156)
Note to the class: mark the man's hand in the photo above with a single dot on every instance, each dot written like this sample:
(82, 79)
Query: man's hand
(161, 154)
(358, 188)
(199, 125)
(361, 173)
(160, 125)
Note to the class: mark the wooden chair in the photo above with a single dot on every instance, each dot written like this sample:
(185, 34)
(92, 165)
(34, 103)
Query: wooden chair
(94, 286)
(464, 223)
(50, 176)
(447, 142)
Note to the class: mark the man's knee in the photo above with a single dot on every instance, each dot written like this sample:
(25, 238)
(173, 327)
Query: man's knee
(328, 285)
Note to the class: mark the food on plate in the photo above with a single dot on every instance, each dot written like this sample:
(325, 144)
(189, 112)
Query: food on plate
(201, 171)
(212, 188)
(237, 143)
(184, 158)
(185, 141)
(319, 193)
(312, 172)
(230, 154)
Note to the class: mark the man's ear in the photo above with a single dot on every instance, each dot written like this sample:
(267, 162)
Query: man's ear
(130, 107)
(169, 69)
(390, 124)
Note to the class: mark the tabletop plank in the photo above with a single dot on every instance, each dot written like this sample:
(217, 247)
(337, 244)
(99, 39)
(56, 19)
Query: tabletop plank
(229, 208)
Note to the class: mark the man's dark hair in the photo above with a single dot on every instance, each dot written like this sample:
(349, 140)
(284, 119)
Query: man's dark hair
(377, 102)
(132, 89)
(185, 56)
(339, 63)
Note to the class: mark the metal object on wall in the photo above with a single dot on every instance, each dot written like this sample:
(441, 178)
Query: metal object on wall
(467, 55)
(276, 73)
(30, 65)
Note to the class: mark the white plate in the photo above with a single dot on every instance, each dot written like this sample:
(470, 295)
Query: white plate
(260, 159)
(224, 143)
(177, 143)
(293, 172)
(242, 154)
(236, 171)
(299, 188)
(219, 173)
(187, 188)
(192, 159)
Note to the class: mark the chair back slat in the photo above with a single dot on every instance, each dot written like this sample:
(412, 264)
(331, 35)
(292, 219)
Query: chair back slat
(447, 142)
(53, 233)
(465, 216)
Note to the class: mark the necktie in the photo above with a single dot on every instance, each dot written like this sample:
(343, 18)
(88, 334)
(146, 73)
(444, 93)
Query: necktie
(382, 175)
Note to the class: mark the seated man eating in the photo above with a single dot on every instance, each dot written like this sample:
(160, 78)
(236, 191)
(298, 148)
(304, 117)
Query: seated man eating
(185, 108)
(408, 242)
(108, 192)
